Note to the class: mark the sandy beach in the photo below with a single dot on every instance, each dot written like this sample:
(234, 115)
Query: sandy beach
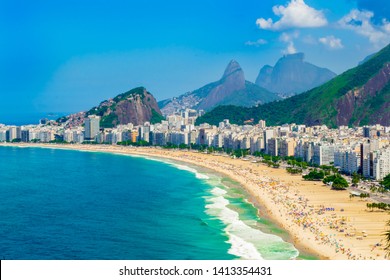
(321, 221)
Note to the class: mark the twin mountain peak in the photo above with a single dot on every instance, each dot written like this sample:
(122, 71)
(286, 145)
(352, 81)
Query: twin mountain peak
(359, 96)
(291, 75)
(344, 96)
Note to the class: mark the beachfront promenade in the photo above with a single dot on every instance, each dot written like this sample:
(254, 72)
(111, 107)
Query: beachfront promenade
(320, 221)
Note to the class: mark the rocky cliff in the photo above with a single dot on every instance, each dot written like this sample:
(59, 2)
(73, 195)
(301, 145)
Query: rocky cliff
(359, 104)
(136, 106)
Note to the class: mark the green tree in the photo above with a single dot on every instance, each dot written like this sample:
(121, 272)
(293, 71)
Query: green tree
(355, 179)
(183, 146)
(337, 182)
(314, 175)
(240, 153)
(292, 170)
(386, 182)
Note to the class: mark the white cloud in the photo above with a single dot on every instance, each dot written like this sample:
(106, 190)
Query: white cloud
(331, 42)
(256, 43)
(290, 48)
(361, 23)
(386, 26)
(295, 14)
(289, 39)
(264, 24)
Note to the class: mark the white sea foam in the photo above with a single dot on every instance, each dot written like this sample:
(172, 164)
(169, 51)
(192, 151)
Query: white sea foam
(192, 170)
(242, 248)
(178, 166)
(202, 176)
(246, 242)
(218, 191)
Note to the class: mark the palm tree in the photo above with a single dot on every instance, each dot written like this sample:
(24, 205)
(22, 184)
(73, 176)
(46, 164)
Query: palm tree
(387, 238)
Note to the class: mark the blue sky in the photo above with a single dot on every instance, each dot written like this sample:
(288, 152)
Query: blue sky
(67, 56)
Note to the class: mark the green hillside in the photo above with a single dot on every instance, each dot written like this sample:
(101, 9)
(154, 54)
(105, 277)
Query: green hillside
(359, 96)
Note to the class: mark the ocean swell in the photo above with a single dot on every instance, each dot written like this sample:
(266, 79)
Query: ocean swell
(246, 242)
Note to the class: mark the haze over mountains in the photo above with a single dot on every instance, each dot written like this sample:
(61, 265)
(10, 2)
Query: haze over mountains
(291, 75)
(359, 96)
(231, 89)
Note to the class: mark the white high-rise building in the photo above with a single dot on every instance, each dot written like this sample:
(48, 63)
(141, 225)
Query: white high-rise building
(262, 124)
(323, 154)
(14, 132)
(268, 134)
(381, 164)
(257, 143)
(347, 160)
(92, 127)
(3, 135)
(273, 146)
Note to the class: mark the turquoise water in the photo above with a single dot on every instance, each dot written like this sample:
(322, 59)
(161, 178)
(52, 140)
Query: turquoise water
(61, 204)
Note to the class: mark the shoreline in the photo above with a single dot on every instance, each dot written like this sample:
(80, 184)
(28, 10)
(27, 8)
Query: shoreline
(232, 183)
(320, 222)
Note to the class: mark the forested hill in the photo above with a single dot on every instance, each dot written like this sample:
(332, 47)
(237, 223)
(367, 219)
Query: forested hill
(359, 96)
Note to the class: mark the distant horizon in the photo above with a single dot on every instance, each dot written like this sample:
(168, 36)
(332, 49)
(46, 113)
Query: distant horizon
(30, 118)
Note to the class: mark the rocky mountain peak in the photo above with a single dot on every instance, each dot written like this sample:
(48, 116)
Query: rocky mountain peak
(295, 56)
(292, 75)
(357, 97)
(135, 106)
(230, 89)
(233, 68)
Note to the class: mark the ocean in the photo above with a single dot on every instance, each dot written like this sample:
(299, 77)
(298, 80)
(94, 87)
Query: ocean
(64, 205)
(28, 118)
